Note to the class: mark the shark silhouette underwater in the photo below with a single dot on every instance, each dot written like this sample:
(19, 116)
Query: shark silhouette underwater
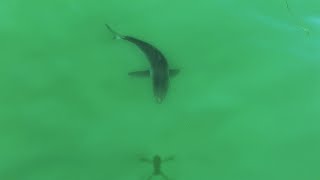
(159, 69)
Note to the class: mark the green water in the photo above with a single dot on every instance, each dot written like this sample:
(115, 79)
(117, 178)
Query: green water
(245, 105)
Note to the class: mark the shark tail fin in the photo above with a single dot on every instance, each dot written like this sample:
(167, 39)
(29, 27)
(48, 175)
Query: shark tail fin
(115, 34)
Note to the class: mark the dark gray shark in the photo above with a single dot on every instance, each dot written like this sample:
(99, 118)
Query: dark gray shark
(159, 69)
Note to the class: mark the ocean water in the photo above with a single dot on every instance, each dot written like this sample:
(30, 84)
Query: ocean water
(245, 105)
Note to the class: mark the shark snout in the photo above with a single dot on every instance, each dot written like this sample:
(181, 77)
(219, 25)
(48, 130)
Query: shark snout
(160, 92)
(159, 96)
(159, 99)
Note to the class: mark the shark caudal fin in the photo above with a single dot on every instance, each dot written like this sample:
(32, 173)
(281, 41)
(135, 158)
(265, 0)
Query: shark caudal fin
(115, 34)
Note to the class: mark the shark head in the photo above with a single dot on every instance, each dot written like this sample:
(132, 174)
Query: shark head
(159, 96)
(160, 88)
(159, 100)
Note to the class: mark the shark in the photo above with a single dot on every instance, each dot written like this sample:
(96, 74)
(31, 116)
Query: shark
(159, 71)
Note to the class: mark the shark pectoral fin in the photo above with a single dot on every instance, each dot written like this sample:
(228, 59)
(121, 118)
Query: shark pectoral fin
(173, 72)
(140, 73)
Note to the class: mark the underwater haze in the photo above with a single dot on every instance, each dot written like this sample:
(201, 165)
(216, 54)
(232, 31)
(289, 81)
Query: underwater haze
(245, 105)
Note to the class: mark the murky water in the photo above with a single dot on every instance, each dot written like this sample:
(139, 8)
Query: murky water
(244, 106)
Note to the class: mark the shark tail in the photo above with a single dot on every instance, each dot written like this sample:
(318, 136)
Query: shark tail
(115, 34)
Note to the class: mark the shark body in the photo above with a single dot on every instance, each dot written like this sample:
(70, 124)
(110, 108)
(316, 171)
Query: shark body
(159, 69)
